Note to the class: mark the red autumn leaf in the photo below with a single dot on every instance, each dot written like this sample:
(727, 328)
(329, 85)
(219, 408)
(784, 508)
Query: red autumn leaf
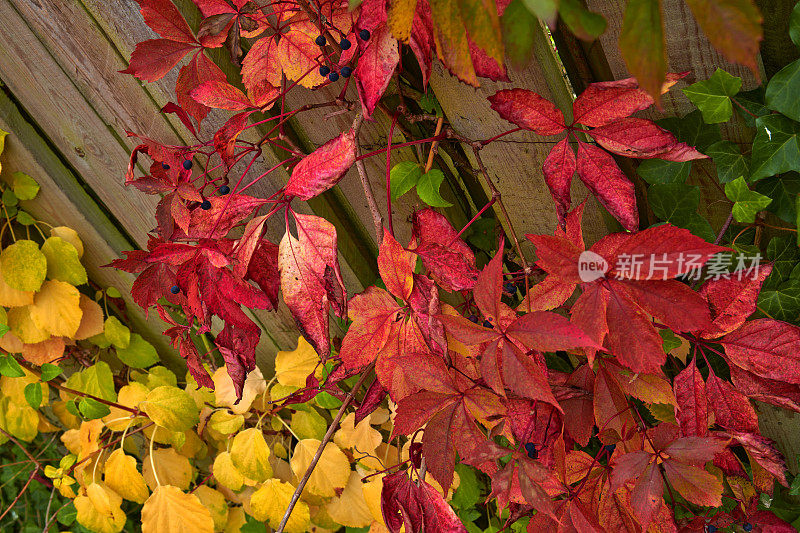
(247, 244)
(165, 19)
(263, 270)
(578, 405)
(373, 312)
(198, 71)
(152, 59)
(558, 169)
(184, 117)
(768, 348)
(631, 336)
(612, 412)
(220, 95)
(692, 396)
(322, 169)
(375, 68)
(310, 279)
(762, 451)
(635, 137)
(598, 170)
(488, 288)
(450, 262)
(732, 300)
(528, 110)
(417, 506)
(225, 213)
(732, 409)
(520, 481)
(547, 294)
(778, 393)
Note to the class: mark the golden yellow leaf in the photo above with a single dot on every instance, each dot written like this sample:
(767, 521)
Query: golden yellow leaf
(91, 320)
(22, 325)
(71, 440)
(99, 510)
(292, 368)
(170, 510)
(226, 473)
(226, 395)
(399, 18)
(226, 423)
(43, 352)
(124, 478)
(69, 420)
(170, 467)
(236, 519)
(350, 508)
(270, 502)
(372, 496)
(21, 420)
(172, 408)
(250, 454)
(378, 527)
(23, 265)
(63, 262)
(216, 503)
(193, 447)
(130, 395)
(14, 388)
(362, 436)
(57, 309)
(332, 471)
(11, 297)
(69, 235)
(88, 435)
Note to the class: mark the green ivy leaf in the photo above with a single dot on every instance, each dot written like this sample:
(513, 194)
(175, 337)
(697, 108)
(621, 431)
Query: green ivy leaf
(326, 401)
(428, 188)
(139, 353)
(585, 24)
(91, 409)
(518, 25)
(782, 303)
(729, 160)
(782, 91)
(783, 190)
(9, 367)
(776, 148)
(713, 96)
(25, 187)
(33, 394)
(794, 25)
(50, 371)
(753, 103)
(403, 177)
(67, 514)
(784, 255)
(659, 171)
(746, 202)
(692, 130)
(481, 234)
(674, 202)
(669, 340)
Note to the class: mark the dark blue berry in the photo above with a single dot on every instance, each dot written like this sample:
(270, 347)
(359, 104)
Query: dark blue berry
(345, 44)
(333, 76)
(165, 166)
(530, 447)
(610, 447)
(712, 529)
(487, 324)
(346, 71)
(224, 189)
(320, 40)
(187, 164)
(473, 319)
(324, 70)
(206, 205)
(364, 34)
(174, 289)
(747, 526)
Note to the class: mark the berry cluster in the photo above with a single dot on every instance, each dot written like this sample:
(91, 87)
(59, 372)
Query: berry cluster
(344, 44)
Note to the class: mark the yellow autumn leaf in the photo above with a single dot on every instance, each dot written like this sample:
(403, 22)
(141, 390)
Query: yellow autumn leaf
(99, 510)
(332, 471)
(292, 368)
(225, 422)
(350, 508)
(23, 327)
(270, 502)
(171, 408)
(69, 235)
(236, 519)
(361, 436)
(88, 437)
(63, 261)
(216, 503)
(43, 352)
(130, 395)
(11, 297)
(14, 388)
(11, 343)
(21, 420)
(250, 454)
(226, 473)
(171, 468)
(225, 394)
(91, 320)
(57, 309)
(124, 478)
(371, 491)
(23, 265)
(170, 510)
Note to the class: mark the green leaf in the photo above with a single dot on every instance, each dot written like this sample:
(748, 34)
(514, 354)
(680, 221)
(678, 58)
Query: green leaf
(468, 493)
(782, 91)
(746, 202)
(171, 408)
(33, 394)
(519, 27)
(3, 330)
(63, 263)
(660, 171)
(25, 187)
(117, 333)
(481, 234)
(327, 401)
(9, 198)
(546, 10)
(794, 25)
(782, 303)
(403, 177)
(113, 292)
(50, 371)
(66, 515)
(483, 26)
(583, 23)
(775, 148)
(428, 188)
(9, 367)
(699, 226)
(784, 255)
(674, 202)
(669, 340)
(783, 190)
(96, 380)
(692, 130)
(643, 45)
(309, 425)
(712, 96)
(139, 353)
(91, 409)
(430, 104)
(753, 103)
(72, 408)
(24, 218)
(729, 160)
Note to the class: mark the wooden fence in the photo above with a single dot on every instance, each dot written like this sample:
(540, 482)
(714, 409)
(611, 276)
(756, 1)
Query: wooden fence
(68, 109)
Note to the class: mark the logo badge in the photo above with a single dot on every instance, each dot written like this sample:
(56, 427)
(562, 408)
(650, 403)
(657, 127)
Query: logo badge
(591, 266)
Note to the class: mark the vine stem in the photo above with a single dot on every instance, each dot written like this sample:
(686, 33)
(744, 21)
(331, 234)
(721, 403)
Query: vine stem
(377, 218)
(37, 467)
(325, 440)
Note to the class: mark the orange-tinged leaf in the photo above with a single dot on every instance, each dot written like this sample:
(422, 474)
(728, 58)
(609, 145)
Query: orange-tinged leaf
(170, 510)
(323, 168)
(732, 26)
(694, 484)
(56, 309)
(396, 266)
(643, 44)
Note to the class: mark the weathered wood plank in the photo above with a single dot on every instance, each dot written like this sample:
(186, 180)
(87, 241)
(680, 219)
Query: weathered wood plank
(62, 200)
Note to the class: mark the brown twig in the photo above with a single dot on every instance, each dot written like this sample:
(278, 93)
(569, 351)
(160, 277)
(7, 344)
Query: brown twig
(377, 218)
(325, 440)
(434, 144)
